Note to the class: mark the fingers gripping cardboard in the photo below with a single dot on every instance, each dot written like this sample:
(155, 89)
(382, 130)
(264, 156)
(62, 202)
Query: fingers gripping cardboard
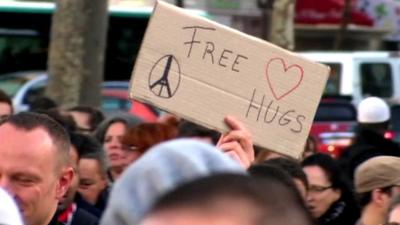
(203, 71)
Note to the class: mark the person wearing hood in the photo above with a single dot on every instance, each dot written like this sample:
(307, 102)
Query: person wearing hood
(161, 169)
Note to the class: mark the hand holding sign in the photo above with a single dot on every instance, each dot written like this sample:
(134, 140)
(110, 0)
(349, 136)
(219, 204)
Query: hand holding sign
(203, 71)
(237, 143)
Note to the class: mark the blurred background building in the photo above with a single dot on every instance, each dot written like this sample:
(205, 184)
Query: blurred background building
(373, 24)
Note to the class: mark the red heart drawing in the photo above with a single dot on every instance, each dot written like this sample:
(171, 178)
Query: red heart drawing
(273, 79)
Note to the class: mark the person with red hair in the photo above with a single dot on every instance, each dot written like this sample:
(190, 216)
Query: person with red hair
(143, 136)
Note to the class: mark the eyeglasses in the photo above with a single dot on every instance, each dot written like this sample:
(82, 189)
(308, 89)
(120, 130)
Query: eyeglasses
(318, 189)
(129, 147)
(84, 130)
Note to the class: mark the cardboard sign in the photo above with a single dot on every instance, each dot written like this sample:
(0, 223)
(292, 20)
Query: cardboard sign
(203, 71)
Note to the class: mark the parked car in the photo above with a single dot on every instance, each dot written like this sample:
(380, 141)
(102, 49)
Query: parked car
(395, 122)
(118, 100)
(334, 126)
(25, 86)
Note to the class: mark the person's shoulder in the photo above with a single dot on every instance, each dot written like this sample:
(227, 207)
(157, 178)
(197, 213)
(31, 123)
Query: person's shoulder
(103, 199)
(83, 204)
(354, 150)
(392, 145)
(82, 217)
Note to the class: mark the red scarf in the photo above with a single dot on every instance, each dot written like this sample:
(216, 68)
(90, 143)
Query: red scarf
(66, 216)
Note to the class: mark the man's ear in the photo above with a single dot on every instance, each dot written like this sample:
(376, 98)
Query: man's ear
(64, 181)
(104, 183)
(379, 198)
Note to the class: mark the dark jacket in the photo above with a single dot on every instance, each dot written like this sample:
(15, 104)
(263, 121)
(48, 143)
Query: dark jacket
(367, 144)
(83, 204)
(103, 199)
(82, 217)
(342, 212)
(84, 214)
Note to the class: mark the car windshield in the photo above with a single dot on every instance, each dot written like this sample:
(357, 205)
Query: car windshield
(335, 112)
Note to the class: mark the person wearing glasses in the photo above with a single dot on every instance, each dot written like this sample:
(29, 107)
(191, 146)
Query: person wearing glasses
(377, 182)
(329, 196)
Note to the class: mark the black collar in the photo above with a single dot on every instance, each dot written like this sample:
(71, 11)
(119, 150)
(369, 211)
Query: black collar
(54, 220)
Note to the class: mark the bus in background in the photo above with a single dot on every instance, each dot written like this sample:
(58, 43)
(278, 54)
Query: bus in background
(25, 37)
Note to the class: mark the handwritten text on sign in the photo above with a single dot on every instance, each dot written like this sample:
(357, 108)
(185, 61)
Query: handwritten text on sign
(203, 71)
(229, 59)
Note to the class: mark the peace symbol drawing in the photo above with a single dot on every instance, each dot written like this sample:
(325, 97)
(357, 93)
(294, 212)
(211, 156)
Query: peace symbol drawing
(165, 77)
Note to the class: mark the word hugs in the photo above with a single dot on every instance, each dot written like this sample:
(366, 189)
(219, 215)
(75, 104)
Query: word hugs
(268, 111)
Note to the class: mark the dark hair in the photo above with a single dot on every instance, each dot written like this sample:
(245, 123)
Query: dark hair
(272, 201)
(4, 98)
(277, 174)
(364, 198)
(101, 157)
(66, 121)
(376, 127)
(189, 129)
(29, 121)
(89, 148)
(96, 116)
(331, 168)
(335, 175)
(145, 135)
(338, 181)
(42, 103)
(291, 166)
(84, 144)
(311, 145)
(127, 119)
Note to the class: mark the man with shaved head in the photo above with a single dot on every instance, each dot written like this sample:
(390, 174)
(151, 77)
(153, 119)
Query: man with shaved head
(34, 166)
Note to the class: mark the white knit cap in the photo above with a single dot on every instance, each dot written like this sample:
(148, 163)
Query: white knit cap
(373, 110)
(9, 213)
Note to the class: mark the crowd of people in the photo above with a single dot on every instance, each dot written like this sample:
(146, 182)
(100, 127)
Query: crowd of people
(77, 166)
